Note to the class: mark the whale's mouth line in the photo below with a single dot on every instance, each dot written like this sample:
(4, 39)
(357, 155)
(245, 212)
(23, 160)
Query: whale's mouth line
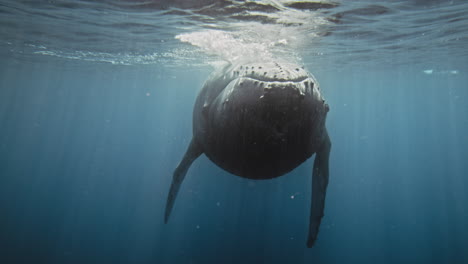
(299, 86)
(275, 80)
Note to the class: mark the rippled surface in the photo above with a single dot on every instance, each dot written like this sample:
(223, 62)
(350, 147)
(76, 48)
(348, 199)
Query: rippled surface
(152, 32)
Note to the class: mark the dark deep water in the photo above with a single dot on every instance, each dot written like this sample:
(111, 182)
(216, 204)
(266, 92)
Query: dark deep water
(88, 147)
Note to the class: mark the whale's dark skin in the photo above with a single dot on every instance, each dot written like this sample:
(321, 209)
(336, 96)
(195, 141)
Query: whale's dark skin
(260, 121)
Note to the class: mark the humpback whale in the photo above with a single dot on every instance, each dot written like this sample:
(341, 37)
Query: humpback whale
(259, 121)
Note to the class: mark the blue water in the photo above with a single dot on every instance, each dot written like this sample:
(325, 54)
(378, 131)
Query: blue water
(96, 112)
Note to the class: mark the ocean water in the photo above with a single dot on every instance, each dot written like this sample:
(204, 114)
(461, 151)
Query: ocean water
(96, 103)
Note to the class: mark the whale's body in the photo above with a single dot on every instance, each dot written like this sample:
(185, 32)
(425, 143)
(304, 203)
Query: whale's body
(260, 121)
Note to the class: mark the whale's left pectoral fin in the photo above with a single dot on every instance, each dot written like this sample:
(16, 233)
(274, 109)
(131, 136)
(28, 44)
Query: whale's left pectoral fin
(193, 152)
(319, 189)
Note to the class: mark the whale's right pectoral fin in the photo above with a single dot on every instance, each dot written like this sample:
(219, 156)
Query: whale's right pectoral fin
(319, 189)
(193, 152)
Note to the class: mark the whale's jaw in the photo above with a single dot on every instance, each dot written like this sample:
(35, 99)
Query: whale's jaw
(263, 128)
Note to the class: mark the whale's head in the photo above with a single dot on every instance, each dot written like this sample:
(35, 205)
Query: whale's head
(277, 95)
(271, 114)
